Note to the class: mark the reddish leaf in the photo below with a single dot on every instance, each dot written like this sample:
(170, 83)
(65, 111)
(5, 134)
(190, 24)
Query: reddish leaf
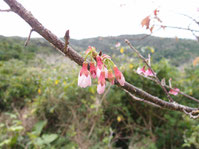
(156, 12)
(146, 22)
(151, 29)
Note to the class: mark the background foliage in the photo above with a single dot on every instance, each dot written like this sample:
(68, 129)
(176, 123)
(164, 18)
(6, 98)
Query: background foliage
(42, 107)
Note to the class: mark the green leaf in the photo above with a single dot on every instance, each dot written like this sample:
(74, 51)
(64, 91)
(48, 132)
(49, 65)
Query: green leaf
(15, 128)
(48, 138)
(5, 142)
(39, 141)
(39, 127)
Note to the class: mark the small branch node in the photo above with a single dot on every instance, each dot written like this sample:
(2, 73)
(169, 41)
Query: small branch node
(6, 10)
(66, 37)
(142, 100)
(192, 114)
(29, 36)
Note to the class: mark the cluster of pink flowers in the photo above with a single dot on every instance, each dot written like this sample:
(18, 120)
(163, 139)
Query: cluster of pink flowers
(144, 72)
(174, 91)
(101, 67)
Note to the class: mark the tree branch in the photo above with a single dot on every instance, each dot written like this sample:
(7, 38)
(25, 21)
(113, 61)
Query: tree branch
(182, 93)
(194, 20)
(73, 55)
(28, 39)
(6, 10)
(181, 28)
(44, 32)
(149, 66)
(66, 37)
(142, 100)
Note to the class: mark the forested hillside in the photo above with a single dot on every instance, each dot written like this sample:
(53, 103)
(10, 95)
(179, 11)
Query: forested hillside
(177, 51)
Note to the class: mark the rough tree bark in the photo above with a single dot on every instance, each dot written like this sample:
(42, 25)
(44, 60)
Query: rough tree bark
(73, 55)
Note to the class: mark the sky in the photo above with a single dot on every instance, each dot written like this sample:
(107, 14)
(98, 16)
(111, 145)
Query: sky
(93, 18)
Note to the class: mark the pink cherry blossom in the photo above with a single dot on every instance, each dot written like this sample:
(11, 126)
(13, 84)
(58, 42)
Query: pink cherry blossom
(99, 71)
(93, 70)
(101, 83)
(99, 65)
(111, 77)
(84, 78)
(148, 73)
(119, 76)
(141, 70)
(99, 62)
(174, 91)
(118, 44)
(100, 88)
(106, 72)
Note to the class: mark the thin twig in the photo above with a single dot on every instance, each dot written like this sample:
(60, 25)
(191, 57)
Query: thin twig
(197, 22)
(28, 39)
(197, 37)
(188, 96)
(192, 114)
(139, 99)
(103, 97)
(110, 137)
(181, 28)
(66, 37)
(6, 10)
(91, 130)
(145, 61)
(180, 92)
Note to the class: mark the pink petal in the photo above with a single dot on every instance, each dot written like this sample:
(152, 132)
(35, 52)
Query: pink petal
(99, 62)
(141, 70)
(122, 80)
(106, 72)
(118, 44)
(148, 73)
(174, 91)
(100, 88)
(93, 75)
(111, 77)
(84, 81)
(98, 72)
(93, 70)
(119, 76)
(88, 80)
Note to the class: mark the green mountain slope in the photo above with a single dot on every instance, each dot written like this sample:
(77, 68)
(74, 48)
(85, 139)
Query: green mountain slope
(178, 51)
